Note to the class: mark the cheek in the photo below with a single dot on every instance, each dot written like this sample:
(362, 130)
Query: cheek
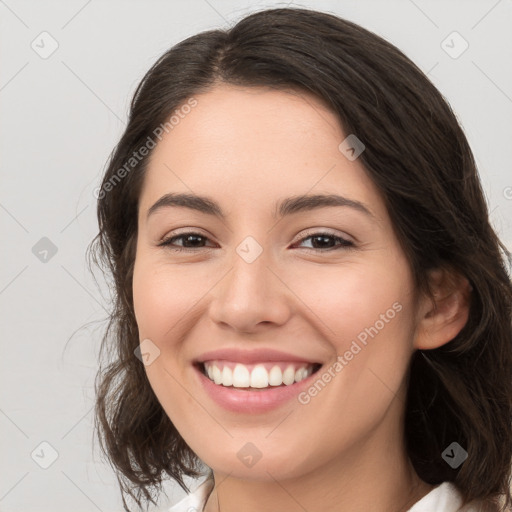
(162, 297)
(163, 303)
(366, 315)
(354, 300)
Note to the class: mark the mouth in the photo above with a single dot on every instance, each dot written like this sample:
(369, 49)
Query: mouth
(256, 376)
(253, 381)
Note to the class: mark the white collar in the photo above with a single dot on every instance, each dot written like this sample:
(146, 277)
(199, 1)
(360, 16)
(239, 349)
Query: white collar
(443, 498)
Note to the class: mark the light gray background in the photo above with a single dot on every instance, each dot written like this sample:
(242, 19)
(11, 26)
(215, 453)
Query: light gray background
(61, 117)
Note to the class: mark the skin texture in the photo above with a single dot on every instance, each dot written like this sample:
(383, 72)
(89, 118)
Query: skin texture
(247, 148)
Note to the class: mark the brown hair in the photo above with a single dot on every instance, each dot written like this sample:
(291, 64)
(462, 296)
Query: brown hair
(418, 157)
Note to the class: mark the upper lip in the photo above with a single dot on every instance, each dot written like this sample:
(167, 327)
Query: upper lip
(259, 355)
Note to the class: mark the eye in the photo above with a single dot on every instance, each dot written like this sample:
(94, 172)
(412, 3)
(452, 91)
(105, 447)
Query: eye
(321, 241)
(191, 241)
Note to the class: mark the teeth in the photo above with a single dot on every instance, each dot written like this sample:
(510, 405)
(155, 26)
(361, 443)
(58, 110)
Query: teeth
(227, 376)
(275, 377)
(289, 376)
(217, 375)
(241, 377)
(256, 376)
(259, 377)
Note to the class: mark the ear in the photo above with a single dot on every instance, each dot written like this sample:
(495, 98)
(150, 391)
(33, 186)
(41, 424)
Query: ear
(439, 323)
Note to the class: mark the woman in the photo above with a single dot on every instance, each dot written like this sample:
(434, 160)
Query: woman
(311, 306)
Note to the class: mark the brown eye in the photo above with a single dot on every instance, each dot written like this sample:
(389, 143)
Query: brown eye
(326, 241)
(190, 241)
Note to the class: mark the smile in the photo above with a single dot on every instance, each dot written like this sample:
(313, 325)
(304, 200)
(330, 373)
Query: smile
(255, 381)
(257, 376)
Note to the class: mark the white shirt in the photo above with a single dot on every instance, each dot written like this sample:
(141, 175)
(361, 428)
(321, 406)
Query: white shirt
(443, 498)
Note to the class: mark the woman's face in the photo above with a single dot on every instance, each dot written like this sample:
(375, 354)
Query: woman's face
(269, 288)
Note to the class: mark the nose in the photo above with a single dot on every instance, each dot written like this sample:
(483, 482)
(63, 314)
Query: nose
(250, 297)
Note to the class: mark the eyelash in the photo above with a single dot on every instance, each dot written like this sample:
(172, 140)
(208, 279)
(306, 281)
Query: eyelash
(344, 244)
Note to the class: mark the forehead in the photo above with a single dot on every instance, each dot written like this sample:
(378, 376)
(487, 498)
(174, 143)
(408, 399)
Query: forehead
(252, 145)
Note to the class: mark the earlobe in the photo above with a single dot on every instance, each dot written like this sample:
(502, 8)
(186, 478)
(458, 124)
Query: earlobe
(441, 321)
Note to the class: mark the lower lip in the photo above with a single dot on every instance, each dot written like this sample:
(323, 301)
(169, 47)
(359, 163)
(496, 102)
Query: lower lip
(252, 402)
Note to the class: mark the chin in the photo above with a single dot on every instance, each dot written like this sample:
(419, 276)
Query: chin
(249, 463)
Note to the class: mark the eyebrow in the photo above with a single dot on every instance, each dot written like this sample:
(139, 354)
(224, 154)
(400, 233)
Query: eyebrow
(284, 207)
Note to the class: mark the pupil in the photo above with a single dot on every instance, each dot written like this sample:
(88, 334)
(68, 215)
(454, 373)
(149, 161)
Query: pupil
(191, 238)
(324, 239)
